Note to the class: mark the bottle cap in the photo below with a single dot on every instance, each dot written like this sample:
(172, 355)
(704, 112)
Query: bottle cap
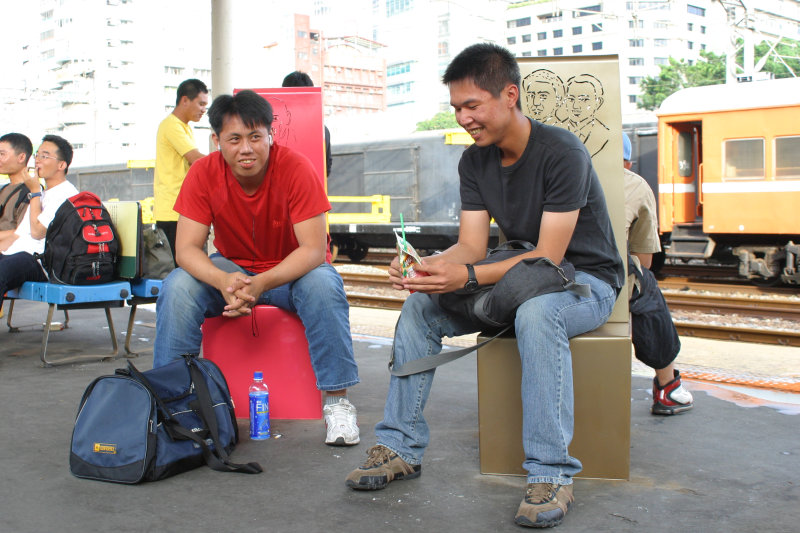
(258, 375)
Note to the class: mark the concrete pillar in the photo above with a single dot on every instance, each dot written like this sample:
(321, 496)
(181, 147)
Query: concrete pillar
(222, 32)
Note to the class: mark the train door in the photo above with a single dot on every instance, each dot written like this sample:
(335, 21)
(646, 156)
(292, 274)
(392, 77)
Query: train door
(686, 169)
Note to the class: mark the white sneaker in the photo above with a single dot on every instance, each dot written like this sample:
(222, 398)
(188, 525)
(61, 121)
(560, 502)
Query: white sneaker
(340, 419)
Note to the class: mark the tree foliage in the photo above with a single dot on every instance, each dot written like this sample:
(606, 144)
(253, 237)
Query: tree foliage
(678, 74)
(782, 62)
(440, 121)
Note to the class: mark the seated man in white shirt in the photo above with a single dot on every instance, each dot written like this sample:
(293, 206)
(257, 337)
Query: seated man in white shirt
(18, 262)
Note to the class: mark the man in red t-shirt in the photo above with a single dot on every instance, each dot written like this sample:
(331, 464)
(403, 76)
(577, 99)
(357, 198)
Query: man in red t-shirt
(267, 206)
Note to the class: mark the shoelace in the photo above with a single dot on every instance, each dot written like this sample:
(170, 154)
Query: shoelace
(377, 456)
(541, 492)
(340, 413)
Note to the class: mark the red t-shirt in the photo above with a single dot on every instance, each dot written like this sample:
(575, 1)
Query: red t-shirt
(255, 232)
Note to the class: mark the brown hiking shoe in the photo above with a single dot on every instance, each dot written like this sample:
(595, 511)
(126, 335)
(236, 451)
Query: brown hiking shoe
(544, 505)
(382, 466)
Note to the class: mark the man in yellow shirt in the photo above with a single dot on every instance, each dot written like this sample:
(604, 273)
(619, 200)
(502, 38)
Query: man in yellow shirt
(175, 153)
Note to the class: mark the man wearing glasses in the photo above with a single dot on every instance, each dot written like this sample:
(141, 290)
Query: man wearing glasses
(18, 263)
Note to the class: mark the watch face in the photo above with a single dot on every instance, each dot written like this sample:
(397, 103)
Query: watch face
(471, 286)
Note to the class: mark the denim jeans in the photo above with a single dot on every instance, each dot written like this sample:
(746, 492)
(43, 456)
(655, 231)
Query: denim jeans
(544, 325)
(16, 269)
(318, 298)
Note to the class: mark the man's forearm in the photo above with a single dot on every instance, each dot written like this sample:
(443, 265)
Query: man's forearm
(196, 262)
(297, 264)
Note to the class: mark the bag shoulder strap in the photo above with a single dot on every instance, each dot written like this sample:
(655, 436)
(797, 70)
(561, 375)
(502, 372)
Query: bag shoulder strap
(432, 361)
(20, 197)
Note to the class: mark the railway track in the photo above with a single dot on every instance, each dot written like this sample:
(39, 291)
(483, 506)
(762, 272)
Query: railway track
(700, 309)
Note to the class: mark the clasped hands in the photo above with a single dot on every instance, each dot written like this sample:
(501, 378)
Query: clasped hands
(241, 293)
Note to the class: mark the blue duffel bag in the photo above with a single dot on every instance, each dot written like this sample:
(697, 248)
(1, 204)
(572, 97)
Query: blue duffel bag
(144, 426)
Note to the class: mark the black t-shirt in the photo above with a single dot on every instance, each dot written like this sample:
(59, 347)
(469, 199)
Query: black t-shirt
(553, 174)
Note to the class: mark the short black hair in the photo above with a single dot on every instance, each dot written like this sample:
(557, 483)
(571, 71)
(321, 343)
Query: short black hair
(20, 143)
(489, 66)
(190, 89)
(297, 79)
(253, 109)
(64, 148)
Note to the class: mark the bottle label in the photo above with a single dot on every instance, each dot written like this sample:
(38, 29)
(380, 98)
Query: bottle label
(259, 416)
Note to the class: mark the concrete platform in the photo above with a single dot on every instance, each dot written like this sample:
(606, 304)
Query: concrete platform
(731, 464)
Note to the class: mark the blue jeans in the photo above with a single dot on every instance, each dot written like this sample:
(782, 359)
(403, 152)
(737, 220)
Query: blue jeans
(544, 325)
(318, 298)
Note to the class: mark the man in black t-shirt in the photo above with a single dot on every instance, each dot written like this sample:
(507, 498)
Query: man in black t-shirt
(538, 183)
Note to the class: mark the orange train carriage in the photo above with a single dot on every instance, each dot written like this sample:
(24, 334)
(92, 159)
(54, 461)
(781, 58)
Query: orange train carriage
(729, 177)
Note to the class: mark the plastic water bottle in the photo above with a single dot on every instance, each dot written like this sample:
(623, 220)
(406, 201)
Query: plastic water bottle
(259, 408)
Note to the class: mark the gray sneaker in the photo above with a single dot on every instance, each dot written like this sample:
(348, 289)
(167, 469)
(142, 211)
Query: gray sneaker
(382, 466)
(544, 505)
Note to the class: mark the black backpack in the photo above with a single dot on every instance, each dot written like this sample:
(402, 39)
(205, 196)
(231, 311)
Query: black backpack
(81, 246)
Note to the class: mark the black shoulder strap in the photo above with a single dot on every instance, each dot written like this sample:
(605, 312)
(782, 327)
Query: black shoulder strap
(20, 197)
(216, 459)
(430, 362)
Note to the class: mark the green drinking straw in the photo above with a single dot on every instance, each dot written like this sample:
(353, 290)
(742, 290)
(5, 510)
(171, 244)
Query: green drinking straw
(403, 230)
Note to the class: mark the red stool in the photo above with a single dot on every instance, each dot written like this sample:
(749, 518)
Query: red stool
(273, 341)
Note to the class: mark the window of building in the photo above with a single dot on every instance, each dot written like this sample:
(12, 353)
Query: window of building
(787, 157)
(586, 11)
(660, 61)
(597, 46)
(702, 47)
(689, 26)
(690, 44)
(48, 54)
(743, 158)
(635, 43)
(597, 27)
(577, 48)
(660, 42)
(558, 51)
(636, 61)
(444, 48)
(399, 88)
(45, 35)
(526, 54)
(541, 53)
(632, 98)
(542, 35)
(444, 28)
(694, 10)
(398, 68)
(526, 38)
(638, 23)
(511, 40)
(634, 80)
(301, 34)
(516, 23)
(702, 29)
(557, 33)
(47, 15)
(396, 7)
(577, 30)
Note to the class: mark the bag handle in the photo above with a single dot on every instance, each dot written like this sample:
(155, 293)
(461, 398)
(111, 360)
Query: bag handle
(217, 459)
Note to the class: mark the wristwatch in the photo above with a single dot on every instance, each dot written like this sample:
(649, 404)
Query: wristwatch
(32, 195)
(472, 283)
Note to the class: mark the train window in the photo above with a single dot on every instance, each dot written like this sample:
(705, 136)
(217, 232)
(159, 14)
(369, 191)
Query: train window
(685, 159)
(744, 158)
(787, 157)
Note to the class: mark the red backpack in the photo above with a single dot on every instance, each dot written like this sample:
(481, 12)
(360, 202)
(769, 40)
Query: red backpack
(81, 246)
